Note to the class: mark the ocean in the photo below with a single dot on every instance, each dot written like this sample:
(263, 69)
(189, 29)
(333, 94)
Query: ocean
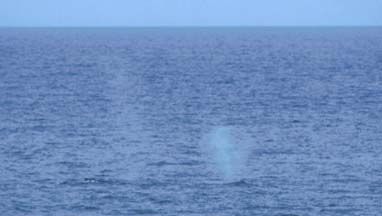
(220, 121)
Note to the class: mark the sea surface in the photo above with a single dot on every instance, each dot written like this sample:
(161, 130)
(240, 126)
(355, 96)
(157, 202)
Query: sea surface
(191, 121)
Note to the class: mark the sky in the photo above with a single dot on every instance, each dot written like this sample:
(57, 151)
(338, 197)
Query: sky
(190, 12)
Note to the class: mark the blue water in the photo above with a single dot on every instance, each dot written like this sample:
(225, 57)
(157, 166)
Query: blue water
(191, 121)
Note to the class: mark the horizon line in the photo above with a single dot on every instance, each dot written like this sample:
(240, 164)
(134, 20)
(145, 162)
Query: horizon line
(185, 26)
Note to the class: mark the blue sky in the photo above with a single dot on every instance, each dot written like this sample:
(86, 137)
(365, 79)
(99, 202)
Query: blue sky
(189, 12)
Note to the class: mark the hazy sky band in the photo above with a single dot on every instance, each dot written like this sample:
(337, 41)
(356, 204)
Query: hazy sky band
(189, 12)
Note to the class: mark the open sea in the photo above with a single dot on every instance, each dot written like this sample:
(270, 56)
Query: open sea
(223, 121)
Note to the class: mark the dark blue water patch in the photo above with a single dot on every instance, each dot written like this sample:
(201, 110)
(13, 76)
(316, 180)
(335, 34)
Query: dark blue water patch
(144, 211)
(342, 211)
(147, 184)
(84, 208)
(164, 163)
(90, 181)
(239, 183)
(72, 165)
(375, 188)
